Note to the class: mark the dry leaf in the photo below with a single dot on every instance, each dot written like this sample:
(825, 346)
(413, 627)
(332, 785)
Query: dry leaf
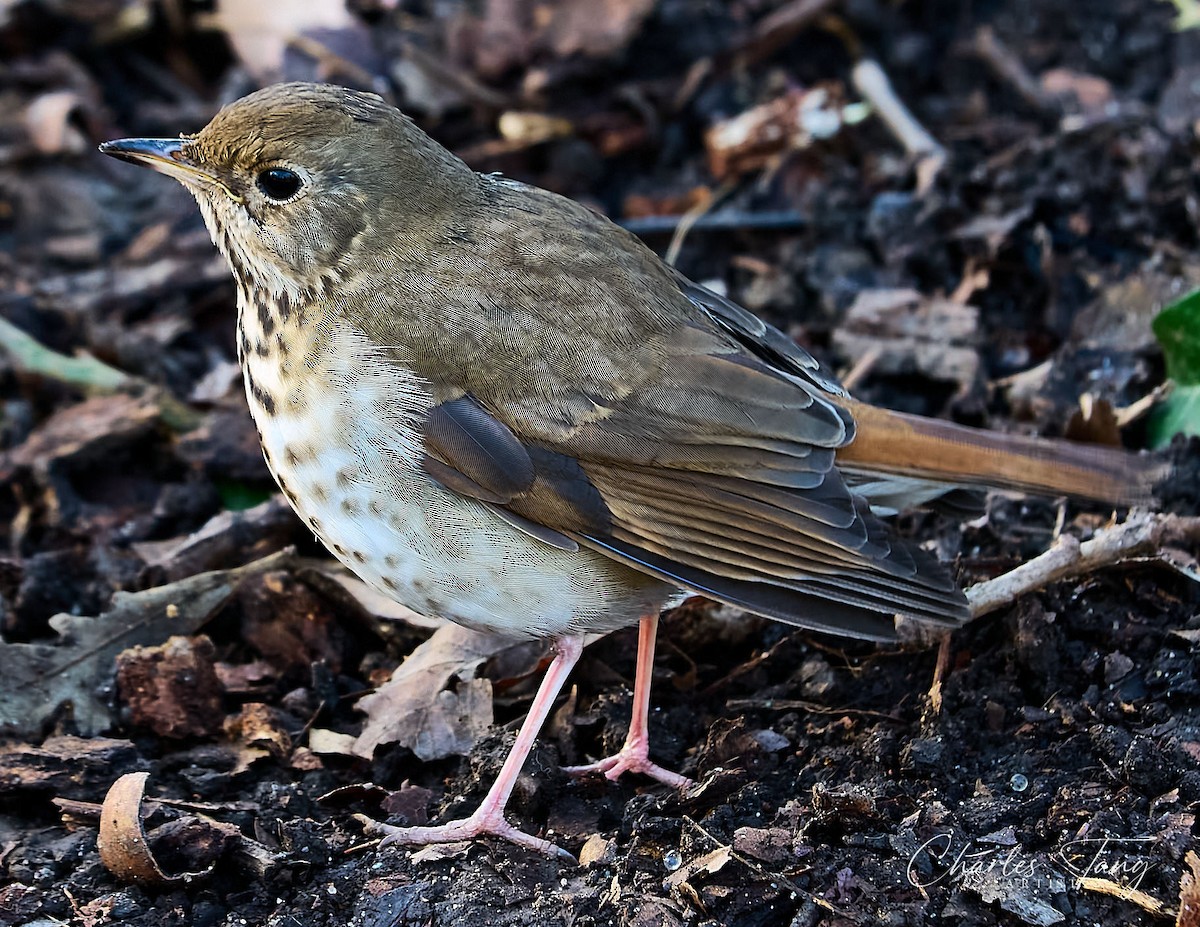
(1189, 893)
(910, 333)
(40, 679)
(433, 705)
(260, 31)
(752, 139)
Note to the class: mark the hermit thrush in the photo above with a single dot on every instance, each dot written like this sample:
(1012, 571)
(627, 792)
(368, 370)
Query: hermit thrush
(498, 407)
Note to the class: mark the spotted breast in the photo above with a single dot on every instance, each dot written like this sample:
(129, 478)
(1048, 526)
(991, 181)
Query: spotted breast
(340, 426)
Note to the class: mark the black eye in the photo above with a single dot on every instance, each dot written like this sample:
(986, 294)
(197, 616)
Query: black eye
(278, 183)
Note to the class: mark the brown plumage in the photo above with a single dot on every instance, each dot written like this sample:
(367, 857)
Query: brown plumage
(499, 407)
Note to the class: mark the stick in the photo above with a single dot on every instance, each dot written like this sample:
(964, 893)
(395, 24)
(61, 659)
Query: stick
(1142, 533)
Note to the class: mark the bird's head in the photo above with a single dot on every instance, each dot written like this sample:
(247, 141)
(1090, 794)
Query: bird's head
(299, 182)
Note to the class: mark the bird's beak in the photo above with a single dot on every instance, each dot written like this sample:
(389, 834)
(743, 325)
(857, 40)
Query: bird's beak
(165, 155)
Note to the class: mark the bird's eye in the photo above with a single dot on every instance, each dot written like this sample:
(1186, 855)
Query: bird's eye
(278, 183)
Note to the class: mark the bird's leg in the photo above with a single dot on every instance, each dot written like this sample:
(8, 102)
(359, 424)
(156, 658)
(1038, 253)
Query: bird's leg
(489, 817)
(635, 755)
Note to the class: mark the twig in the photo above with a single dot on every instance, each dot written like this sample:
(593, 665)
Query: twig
(91, 375)
(84, 371)
(939, 675)
(862, 367)
(763, 874)
(726, 219)
(1141, 534)
(691, 217)
(778, 28)
(792, 704)
(872, 82)
(1009, 69)
(1146, 902)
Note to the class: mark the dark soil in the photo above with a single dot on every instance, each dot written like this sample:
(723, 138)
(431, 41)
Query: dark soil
(832, 788)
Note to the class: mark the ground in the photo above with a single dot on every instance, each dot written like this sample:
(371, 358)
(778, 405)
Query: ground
(1046, 771)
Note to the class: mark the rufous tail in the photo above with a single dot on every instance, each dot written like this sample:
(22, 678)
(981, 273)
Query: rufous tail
(909, 445)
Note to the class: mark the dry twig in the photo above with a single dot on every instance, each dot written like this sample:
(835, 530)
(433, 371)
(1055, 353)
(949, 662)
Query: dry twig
(1141, 534)
(872, 82)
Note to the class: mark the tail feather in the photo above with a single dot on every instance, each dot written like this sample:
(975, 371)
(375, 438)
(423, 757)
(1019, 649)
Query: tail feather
(894, 443)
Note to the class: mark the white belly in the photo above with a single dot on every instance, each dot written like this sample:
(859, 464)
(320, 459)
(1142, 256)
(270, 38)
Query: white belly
(355, 480)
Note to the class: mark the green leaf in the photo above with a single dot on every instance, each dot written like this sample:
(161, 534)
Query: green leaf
(1177, 329)
(238, 497)
(1179, 414)
(1188, 15)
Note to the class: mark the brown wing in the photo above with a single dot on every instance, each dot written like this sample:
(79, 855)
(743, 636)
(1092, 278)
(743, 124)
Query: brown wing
(715, 471)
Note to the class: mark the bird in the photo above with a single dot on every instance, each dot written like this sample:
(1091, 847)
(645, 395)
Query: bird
(498, 407)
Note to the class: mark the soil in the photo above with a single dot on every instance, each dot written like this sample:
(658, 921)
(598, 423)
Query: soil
(1053, 778)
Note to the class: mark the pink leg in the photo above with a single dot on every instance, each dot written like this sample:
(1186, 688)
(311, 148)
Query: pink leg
(489, 818)
(635, 755)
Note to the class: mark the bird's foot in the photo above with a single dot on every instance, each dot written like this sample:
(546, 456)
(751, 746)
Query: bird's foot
(633, 757)
(483, 822)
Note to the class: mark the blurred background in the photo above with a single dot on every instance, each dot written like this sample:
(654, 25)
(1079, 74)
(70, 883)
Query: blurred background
(974, 210)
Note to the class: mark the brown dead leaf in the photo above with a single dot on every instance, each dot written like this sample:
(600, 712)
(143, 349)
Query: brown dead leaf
(1091, 95)
(912, 333)
(41, 679)
(1189, 893)
(1094, 422)
(707, 864)
(261, 31)
(433, 704)
(261, 726)
(48, 122)
(751, 140)
(595, 28)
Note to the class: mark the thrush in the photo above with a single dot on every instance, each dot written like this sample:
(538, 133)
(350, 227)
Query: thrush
(498, 407)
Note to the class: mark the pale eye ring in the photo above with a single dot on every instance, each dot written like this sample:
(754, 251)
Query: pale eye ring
(278, 183)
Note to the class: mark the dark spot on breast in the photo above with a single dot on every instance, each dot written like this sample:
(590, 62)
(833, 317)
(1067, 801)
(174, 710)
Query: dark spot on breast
(289, 454)
(345, 477)
(261, 396)
(390, 562)
(319, 492)
(283, 303)
(281, 345)
(375, 508)
(339, 549)
(391, 584)
(265, 319)
(243, 346)
(359, 556)
(313, 522)
(350, 507)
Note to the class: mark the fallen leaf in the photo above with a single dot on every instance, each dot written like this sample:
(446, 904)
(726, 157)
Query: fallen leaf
(906, 332)
(42, 679)
(1189, 893)
(752, 139)
(261, 31)
(330, 742)
(707, 864)
(433, 705)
